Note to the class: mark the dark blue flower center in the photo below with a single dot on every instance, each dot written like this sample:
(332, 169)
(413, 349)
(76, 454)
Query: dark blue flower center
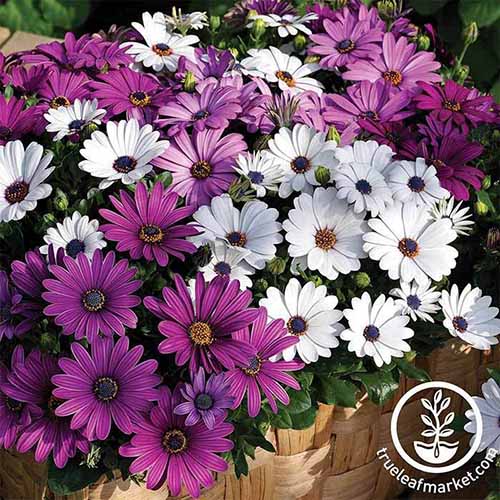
(162, 49)
(222, 268)
(363, 186)
(16, 192)
(413, 302)
(53, 403)
(124, 164)
(93, 300)
(300, 165)
(200, 115)
(255, 177)
(408, 247)
(203, 401)
(74, 247)
(253, 367)
(13, 405)
(416, 184)
(371, 115)
(106, 388)
(5, 132)
(174, 441)
(149, 233)
(236, 239)
(5, 314)
(460, 324)
(297, 326)
(76, 124)
(371, 333)
(345, 46)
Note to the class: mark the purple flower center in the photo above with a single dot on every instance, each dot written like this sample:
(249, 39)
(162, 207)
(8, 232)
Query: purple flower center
(254, 366)
(325, 239)
(139, 98)
(255, 177)
(74, 247)
(345, 46)
(296, 325)
(286, 77)
(201, 333)
(416, 184)
(371, 115)
(236, 239)
(53, 403)
(203, 401)
(124, 164)
(13, 405)
(371, 333)
(93, 300)
(413, 302)
(222, 268)
(408, 247)
(363, 186)
(452, 105)
(200, 115)
(201, 169)
(59, 101)
(16, 192)
(76, 124)
(393, 76)
(300, 165)
(5, 314)
(151, 234)
(5, 132)
(460, 324)
(162, 49)
(174, 441)
(106, 388)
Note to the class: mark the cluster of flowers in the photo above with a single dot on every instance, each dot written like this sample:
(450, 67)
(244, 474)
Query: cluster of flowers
(242, 166)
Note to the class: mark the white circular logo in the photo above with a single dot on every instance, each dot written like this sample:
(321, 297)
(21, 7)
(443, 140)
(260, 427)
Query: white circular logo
(436, 416)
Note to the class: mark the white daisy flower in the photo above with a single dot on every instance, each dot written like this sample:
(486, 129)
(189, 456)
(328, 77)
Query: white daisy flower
(489, 407)
(377, 330)
(123, 153)
(228, 261)
(288, 25)
(325, 234)
(161, 49)
(415, 181)
(69, 120)
(22, 173)
(184, 22)
(411, 246)
(298, 153)
(468, 315)
(418, 301)
(309, 314)
(254, 229)
(359, 177)
(262, 171)
(288, 72)
(459, 217)
(75, 235)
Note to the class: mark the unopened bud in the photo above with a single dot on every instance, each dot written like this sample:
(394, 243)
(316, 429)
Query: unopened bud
(234, 51)
(261, 285)
(481, 208)
(387, 9)
(486, 184)
(493, 239)
(202, 256)
(262, 142)
(461, 73)
(322, 175)
(312, 59)
(189, 82)
(276, 266)
(300, 42)
(214, 23)
(258, 28)
(362, 280)
(470, 33)
(61, 200)
(423, 42)
(333, 134)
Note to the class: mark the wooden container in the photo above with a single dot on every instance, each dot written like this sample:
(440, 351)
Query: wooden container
(489, 359)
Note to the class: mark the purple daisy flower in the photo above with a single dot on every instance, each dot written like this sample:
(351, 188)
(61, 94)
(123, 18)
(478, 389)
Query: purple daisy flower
(322, 12)
(174, 453)
(205, 400)
(279, 7)
(399, 64)
(260, 373)
(15, 121)
(403, 26)
(104, 387)
(27, 81)
(345, 42)
(87, 297)
(30, 382)
(148, 224)
(392, 134)
(14, 320)
(365, 101)
(138, 94)
(109, 55)
(208, 107)
(199, 330)
(208, 62)
(201, 164)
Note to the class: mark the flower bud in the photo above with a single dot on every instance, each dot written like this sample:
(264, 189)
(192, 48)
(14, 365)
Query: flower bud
(461, 73)
(234, 51)
(189, 82)
(316, 280)
(276, 266)
(258, 28)
(322, 175)
(311, 59)
(214, 23)
(470, 33)
(300, 42)
(261, 285)
(481, 208)
(486, 184)
(423, 42)
(202, 256)
(262, 142)
(493, 239)
(333, 134)
(362, 280)
(49, 219)
(61, 201)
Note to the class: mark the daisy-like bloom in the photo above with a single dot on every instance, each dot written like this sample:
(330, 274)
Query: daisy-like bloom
(469, 315)
(459, 216)
(288, 24)
(107, 385)
(377, 330)
(399, 64)
(309, 315)
(172, 452)
(206, 400)
(489, 406)
(22, 176)
(409, 245)
(124, 153)
(208, 107)
(16, 122)
(325, 234)
(161, 49)
(417, 301)
(345, 42)
(77, 234)
(185, 22)
(261, 170)
(72, 119)
(261, 373)
(298, 153)
(138, 94)
(230, 262)
(198, 326)
(148, 225)
(91, 297)
(415, 182)
(29, 382)
(279, 7)
(288, 72)
(392, 134)
(202, 163)
(255, 229)
(359, 177)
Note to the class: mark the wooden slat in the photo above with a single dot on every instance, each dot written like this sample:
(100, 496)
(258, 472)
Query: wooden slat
(23, 41)
(4, 35)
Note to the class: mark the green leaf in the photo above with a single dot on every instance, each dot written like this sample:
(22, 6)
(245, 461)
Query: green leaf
(483, 12)
(411, 371)
(380, 385)
(23, 15)
(336, 391)
(240, 463)
(305, 379)
(484, 197)
(299, 401)
(73, 477)
(305, 419)
(281, 420)
(427, 7)
(494, 374)
(458, 423)
(259, 441)
(65, 16)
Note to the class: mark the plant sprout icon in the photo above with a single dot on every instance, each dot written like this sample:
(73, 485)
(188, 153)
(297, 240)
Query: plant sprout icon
(439, 451)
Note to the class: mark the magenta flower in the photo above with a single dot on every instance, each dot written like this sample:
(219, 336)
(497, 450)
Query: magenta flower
(174, 453)
(392, 134)
(138, 94)
(205, 400)
(323, 12)
(209, 107)
(345, 42)
(201, 164)
(15, 121)
(260, 373)
(200, 330)
(27, 80)
(30, 383)
(104, 387)
(279, 7)
(399, 64)
(208, 62)
(87, 297)
(148, 224)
